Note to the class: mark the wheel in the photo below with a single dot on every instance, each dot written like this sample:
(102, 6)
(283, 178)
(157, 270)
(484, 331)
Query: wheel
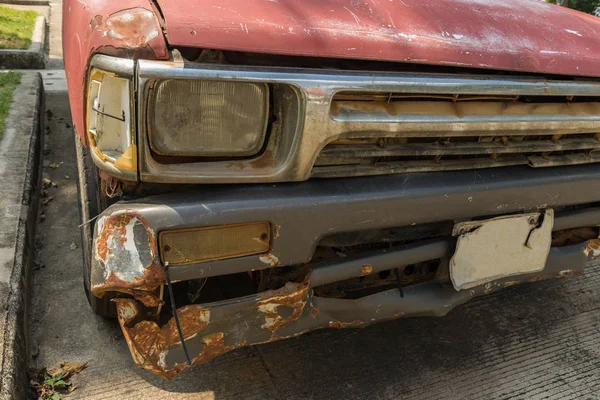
(91, 203)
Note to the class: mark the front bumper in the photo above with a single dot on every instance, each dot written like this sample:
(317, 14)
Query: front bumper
(126, 251)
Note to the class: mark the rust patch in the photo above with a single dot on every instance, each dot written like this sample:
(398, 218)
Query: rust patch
(269, 259)
(151, 344)
(314, 312)
(366, 270)
(592, 249)
(265, 161)
(276, 231)
(568, 273)
(342, 325)
(292, 296)
(398, 315)
(148, 342)
(130, 266)
(240, 165)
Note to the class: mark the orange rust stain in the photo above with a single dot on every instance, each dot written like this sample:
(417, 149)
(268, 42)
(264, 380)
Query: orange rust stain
(535, 279)
(592, 248)
(398, 315)
(148, 342)
(240, 165)
(144, 287)
(214, 346)
(341, 325)
(314, 312)
(293, 295)
(276, 231)
(270, 259)
(568, 273)
(192, 319)
(366, 269)
(116, 225)
(264, 161)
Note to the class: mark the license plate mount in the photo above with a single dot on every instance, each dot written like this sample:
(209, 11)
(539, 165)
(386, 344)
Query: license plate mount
(500, 247)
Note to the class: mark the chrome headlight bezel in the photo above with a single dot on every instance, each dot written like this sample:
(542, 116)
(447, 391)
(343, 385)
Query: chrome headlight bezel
(114, 150)
(286, 116)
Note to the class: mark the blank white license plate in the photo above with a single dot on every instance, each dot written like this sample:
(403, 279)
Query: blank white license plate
(500, 247)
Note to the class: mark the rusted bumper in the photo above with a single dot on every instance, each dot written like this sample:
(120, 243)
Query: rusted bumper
(213, 329)
(126, 255)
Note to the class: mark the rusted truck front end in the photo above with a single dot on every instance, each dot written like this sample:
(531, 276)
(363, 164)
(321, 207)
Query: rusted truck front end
(251, 172)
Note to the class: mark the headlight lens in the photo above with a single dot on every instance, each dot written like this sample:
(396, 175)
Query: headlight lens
(208, 118)
(109, 125)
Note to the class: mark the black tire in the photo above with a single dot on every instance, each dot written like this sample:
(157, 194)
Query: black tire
(91, 203)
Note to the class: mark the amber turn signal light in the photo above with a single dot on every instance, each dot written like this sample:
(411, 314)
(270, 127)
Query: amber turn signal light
(196, 245)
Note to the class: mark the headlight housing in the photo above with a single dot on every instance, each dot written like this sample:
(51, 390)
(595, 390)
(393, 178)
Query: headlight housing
(208, 118)
(110, 126)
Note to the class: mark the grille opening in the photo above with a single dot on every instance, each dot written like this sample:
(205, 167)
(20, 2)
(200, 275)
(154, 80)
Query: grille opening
(402, 276)
(342, 245)
(573, 236)
(397, 132)
(386, 155)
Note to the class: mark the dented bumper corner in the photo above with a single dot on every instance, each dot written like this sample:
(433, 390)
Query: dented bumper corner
(125, 258)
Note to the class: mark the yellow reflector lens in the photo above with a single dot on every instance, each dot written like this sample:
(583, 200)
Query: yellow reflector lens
(191, 246)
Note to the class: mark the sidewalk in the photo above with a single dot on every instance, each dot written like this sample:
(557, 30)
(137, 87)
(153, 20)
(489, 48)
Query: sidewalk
(20, 176)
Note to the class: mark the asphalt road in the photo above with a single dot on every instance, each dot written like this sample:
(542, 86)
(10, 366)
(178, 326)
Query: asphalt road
(534, 341)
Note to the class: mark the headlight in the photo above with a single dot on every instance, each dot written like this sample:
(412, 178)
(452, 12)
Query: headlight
(208, 118)
(109, 125)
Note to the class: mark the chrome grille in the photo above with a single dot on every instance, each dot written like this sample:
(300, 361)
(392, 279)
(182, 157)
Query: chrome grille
(459, 146)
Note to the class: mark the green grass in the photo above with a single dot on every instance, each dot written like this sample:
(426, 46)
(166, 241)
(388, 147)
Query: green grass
(8, 83)
(16, 28)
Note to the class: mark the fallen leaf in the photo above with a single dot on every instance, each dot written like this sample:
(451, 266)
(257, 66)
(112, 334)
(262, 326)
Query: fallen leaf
(72, 368)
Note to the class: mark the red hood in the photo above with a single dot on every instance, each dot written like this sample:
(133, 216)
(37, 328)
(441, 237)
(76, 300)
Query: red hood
(518, 35)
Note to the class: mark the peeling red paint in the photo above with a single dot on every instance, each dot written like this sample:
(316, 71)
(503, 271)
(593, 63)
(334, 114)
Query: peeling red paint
(516, 35)
(133, 28)
(86, 24)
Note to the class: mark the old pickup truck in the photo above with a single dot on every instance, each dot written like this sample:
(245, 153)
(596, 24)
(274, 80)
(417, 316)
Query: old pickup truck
(253, 170)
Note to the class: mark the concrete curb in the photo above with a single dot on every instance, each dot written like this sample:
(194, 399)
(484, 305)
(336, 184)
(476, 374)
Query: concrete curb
(33, 57)
(20, 174)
